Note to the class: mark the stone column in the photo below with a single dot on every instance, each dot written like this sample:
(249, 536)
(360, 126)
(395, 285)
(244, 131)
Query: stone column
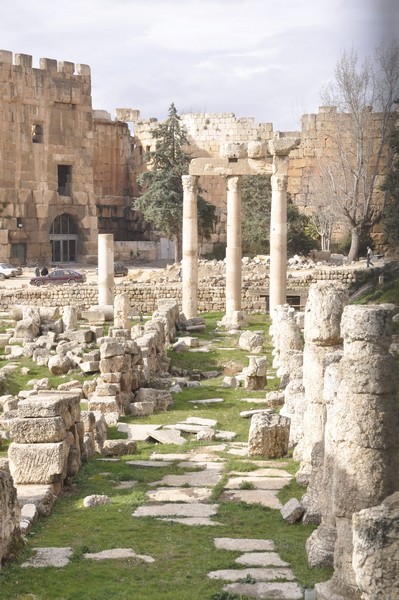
(233, 250)
(278, 234)
(190, 247)
(366, 459)
(105, 269)
(323, 313)
(279, 148)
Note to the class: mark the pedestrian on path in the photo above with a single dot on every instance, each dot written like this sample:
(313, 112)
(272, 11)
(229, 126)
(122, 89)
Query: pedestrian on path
(369, 254)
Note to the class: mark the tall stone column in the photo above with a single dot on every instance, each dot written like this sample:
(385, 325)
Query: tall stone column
(233, 250)
(279, 148)
(190, 247)
(278, 234)
(105, 269)
(366, 459)
(322, 333)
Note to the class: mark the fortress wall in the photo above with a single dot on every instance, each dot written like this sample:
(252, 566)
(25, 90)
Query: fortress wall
(45, 121)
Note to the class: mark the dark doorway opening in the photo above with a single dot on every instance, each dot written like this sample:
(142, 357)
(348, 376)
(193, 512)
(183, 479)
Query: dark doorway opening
(64, 180)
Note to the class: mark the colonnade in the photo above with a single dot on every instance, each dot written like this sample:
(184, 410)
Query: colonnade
(233, 168)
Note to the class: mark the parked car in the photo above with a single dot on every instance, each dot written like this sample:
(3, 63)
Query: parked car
(120, 270)
(7, 271)
(59, 277)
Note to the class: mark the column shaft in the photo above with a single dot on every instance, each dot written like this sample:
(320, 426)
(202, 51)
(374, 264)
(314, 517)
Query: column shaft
(190, 247)
(105, 269)
(278, 235)
(233, 250)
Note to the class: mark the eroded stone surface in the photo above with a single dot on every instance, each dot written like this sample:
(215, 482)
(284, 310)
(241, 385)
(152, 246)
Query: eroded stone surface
(243, 544)
(176, 509)
(179, 494)
(261, 559)
(49, 557)
(117, 553)
(260, 574)
(282, 591)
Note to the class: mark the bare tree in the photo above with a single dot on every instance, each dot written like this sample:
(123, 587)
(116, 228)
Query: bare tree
(356, 142)
(320, 211)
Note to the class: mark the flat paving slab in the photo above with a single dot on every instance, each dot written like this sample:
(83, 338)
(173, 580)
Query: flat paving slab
(49, 557)
(267, 473)
(264, 497)
(177, 509)
(259, 483)
(125, 485)
(169, 456)
(200, 466)
(265, 590)
(208, 401)
(186, 427)
(206, 478)
(243, 544)
(258, 573)
(149, 464)
(139, 433)
(168, 494)
(116, 553)
(261, 559)
(164, 436)
(201, 421)
(190, 521)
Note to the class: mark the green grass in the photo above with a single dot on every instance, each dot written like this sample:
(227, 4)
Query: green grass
(183, 555)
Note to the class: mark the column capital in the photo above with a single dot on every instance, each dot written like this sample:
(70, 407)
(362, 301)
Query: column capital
(233, 183)
(279, 183)
(190, 183)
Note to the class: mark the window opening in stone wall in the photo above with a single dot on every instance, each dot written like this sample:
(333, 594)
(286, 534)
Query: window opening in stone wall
(37, 133)
(64, 180)
(64, 239)
(19, 252)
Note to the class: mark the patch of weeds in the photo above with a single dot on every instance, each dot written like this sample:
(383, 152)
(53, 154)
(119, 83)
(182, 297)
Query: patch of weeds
(247, 579)
(228, 596)
(114, 434)
(79, 551)
(246, 485)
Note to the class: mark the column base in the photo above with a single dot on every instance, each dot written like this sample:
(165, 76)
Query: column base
(234, 320)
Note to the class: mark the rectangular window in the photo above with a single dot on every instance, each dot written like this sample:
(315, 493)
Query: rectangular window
(64, 180)
(37, 133)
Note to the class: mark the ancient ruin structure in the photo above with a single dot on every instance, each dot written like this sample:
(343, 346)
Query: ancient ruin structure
(236, 160)
(69, 172)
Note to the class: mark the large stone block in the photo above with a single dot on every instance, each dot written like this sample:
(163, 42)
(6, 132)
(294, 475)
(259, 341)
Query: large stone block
(36, 430)
(38, 463)
(268, 435)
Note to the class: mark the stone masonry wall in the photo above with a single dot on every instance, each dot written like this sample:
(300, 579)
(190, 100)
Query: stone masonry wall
(45, 125)
(144, 296)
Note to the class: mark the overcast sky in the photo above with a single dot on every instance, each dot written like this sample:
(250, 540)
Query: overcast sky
(266, 59)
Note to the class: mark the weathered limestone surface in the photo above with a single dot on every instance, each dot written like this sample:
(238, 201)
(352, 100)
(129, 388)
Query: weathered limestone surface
(376, 550)
(38, 463)
(10, 533)
(323, 312)
(365, 461)
(268, 435)
(34, 430)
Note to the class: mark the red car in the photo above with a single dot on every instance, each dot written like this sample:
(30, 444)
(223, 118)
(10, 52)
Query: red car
(59, 277)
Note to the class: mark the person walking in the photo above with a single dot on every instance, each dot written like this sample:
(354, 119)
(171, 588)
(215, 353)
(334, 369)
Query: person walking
(369, 254)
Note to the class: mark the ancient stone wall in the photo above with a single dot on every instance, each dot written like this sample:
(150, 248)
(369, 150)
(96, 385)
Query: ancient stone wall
(46, 155)
(144, 296)
(113, 180)
(10, 533)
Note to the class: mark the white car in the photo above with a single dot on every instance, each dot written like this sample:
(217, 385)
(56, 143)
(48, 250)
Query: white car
(7, 271)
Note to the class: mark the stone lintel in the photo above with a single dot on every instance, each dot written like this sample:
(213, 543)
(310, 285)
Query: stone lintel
(282, 146)
(224, 166)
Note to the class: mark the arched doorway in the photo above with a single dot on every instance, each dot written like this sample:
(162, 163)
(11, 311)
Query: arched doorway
(64, 239)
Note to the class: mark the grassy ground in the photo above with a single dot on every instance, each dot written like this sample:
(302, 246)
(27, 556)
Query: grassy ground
(183, 555)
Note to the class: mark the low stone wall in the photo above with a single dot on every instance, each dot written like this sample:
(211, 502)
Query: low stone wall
(144, 296)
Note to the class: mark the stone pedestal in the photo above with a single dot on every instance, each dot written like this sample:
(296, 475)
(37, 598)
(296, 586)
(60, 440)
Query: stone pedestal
(190, 247)
(105, 269)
